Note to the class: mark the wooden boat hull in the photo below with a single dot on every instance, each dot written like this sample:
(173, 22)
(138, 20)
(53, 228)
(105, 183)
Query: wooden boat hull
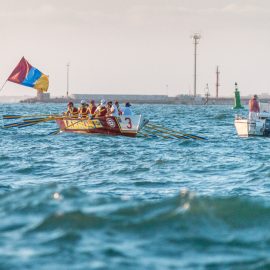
(109, 125)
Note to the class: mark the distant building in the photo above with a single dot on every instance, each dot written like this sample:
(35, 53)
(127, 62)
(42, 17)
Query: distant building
(264, 95)
(121, 98)
(42, 96)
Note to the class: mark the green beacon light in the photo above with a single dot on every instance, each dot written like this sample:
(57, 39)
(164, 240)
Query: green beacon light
(237, 99)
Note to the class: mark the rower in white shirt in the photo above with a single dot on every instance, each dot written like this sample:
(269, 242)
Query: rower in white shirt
(112, 109)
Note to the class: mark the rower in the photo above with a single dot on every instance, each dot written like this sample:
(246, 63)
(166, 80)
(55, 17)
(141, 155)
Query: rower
(71, 111)
(127, 110)
(83, 110)
(112, 109)
(101, 109)
(118, 107)
(92, 107)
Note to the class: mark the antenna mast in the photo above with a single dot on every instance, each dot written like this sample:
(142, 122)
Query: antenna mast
(217, 82)
(196, 37)
(207, 94)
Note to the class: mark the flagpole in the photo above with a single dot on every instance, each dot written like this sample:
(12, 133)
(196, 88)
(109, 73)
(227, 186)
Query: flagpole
(3, 85)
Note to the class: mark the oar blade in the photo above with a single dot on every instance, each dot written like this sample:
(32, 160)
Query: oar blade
(56, 132)
(197, 137)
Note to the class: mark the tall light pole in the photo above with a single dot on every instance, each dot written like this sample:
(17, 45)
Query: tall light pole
(68, 64)
(196, 37)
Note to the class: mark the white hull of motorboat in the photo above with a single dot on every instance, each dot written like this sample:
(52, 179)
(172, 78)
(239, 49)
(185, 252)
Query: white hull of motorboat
(255, 127)
(246, 128)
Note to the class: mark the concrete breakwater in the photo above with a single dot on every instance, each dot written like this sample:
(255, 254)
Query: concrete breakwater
(140, 99)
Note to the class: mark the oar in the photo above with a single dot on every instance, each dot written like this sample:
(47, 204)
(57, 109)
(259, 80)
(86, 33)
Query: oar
(40, 120)
(149, 135)
(55, 132)
(12, 125)
(28, 122)
(155, 133)
(169, 133)
(179, 132)
(19, 125)
(145, 135)
(7, 116)
(11, 116)
(34, 119)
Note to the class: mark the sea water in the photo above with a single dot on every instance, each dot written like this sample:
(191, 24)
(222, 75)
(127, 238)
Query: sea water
(98, 202)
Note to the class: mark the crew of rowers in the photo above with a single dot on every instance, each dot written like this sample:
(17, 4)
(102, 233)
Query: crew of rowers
(102, 109)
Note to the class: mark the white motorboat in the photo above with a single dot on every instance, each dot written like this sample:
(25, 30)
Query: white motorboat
(256, 126)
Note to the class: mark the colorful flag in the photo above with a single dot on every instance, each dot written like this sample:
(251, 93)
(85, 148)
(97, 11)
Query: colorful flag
(29, 76)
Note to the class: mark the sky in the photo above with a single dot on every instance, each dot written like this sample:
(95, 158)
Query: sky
(137, 46)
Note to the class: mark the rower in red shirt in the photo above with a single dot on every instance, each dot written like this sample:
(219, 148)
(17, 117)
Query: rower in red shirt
(101, 109)
(72, 111)
(92, 107)
(83, 110)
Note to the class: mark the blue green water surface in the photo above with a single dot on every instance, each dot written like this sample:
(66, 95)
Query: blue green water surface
(98, 202)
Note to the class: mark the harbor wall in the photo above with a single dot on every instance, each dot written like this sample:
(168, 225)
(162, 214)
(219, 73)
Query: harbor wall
(140, 99)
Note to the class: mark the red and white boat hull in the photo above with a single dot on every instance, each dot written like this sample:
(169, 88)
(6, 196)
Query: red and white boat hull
(108, 125)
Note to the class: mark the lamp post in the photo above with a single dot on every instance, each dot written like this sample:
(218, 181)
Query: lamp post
(196, 38)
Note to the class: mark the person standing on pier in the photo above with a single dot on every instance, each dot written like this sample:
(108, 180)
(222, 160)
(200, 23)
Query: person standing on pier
(254, 108)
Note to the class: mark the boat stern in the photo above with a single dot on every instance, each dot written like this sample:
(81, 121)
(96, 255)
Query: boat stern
(246, 127)
(242, 127)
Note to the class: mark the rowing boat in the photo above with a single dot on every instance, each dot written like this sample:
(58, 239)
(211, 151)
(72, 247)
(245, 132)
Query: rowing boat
(107, 125)
(125, 125)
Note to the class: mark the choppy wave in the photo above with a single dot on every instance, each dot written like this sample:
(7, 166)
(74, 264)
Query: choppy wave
(218, 231)
(78, 202)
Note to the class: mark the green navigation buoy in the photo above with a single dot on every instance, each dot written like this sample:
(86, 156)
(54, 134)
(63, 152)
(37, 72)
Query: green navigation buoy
(237, 99)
